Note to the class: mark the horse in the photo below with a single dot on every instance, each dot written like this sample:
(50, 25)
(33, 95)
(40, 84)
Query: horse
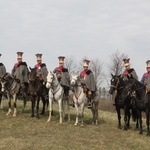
(142, 102)
(56, 93)
(80, 99)
(35, 92)
(122, 97)
(11, 88)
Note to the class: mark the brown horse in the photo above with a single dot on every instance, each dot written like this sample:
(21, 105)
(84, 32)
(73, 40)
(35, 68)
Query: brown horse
(35, 91)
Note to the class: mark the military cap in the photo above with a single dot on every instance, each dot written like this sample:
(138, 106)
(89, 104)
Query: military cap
(19, 54)
(39, 56)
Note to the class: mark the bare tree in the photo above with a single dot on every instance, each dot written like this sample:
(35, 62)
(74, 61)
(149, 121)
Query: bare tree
(116, 63)
(70, 63)
(97, 68)
(115, 66)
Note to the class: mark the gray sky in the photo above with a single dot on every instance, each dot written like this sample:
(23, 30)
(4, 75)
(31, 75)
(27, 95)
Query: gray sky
(92, 28)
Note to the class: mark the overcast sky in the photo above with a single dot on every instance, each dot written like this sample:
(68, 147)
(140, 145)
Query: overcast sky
(92, 28)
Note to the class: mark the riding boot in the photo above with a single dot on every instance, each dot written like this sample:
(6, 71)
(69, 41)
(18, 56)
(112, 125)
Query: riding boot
(89, 99)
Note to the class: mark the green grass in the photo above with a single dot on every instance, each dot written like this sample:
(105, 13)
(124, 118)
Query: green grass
(23, 132)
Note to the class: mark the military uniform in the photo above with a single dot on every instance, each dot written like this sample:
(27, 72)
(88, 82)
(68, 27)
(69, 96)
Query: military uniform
(128, 71)
(63, 75)
(41, 68)
(20, 72)
(20, 69)
(2, 69)
(42, 72)
(88, 81)
(146, 76)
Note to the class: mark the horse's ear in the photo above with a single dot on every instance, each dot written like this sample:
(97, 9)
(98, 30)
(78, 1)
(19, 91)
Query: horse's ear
(119, 75)
(30, 68)
(112, 75)
(78, 73)
(72, 72)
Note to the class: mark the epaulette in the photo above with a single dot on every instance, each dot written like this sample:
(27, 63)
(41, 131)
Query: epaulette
(64, 70)
(88, 72)
(129, 71)
(43, 65)
(1, 64)
(23, 64)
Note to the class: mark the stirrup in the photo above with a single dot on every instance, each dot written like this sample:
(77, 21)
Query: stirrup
(89, 105)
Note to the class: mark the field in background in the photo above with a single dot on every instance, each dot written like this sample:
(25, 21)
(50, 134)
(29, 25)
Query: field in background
(23, 132)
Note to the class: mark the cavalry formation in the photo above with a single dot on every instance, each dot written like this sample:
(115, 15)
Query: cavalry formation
(38, 83)
(131, 96)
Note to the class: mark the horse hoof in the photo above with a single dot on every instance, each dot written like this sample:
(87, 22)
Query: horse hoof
(140, 132)
(32, 116)
(75, 124)
(14, 115)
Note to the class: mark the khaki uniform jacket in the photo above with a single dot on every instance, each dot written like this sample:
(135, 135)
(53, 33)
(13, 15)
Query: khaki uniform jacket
(2, 70)
(21, 72)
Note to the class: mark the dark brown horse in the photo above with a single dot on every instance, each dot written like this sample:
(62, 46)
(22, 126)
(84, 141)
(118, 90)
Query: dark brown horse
(35, 91)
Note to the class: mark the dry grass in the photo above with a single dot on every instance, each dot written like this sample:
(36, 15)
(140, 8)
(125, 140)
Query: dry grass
(23, 132)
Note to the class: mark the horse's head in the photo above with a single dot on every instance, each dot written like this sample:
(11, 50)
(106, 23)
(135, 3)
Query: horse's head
(50, 78)
(75, 78)
(114, 83)
(6, 81)
(32, 74)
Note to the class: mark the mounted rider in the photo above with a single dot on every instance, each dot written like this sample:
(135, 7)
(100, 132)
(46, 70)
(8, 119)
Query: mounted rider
(42, 72)
(2, 69)
(88, 82)
(20, 72)
(146, 76)
(63, 75)
(128, 71)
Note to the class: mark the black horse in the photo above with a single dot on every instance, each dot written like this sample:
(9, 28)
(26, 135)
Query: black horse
(142, 102)
(122, 97)
(12, 88)
(36, 91)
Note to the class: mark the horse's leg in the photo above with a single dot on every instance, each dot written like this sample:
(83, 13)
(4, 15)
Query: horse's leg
(50, 109)
(32, 106)
(77, 114)
(96, 113)
(15, 105)
(44, 103)
(68, 108)
(1, 101)
(147, 121)
(119, 117)
(37, 107)
(125, 117)
(60, 110)
(9, 105)
(128, 118)
(140, 121)
(82, 114)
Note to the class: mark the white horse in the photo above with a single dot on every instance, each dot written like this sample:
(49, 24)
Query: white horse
(80, 99)
(79, 96)
(56, 92)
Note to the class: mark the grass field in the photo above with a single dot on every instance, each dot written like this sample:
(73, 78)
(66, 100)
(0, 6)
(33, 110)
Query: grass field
(23, 132)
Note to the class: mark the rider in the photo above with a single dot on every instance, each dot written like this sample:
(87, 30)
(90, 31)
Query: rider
(128, 71)
(20, 72)
(146, 76)
(2, 69)
(42, 72)
(63, 76)
(88, 82)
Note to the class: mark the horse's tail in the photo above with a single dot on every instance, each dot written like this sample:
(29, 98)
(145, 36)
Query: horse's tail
(134, 115)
